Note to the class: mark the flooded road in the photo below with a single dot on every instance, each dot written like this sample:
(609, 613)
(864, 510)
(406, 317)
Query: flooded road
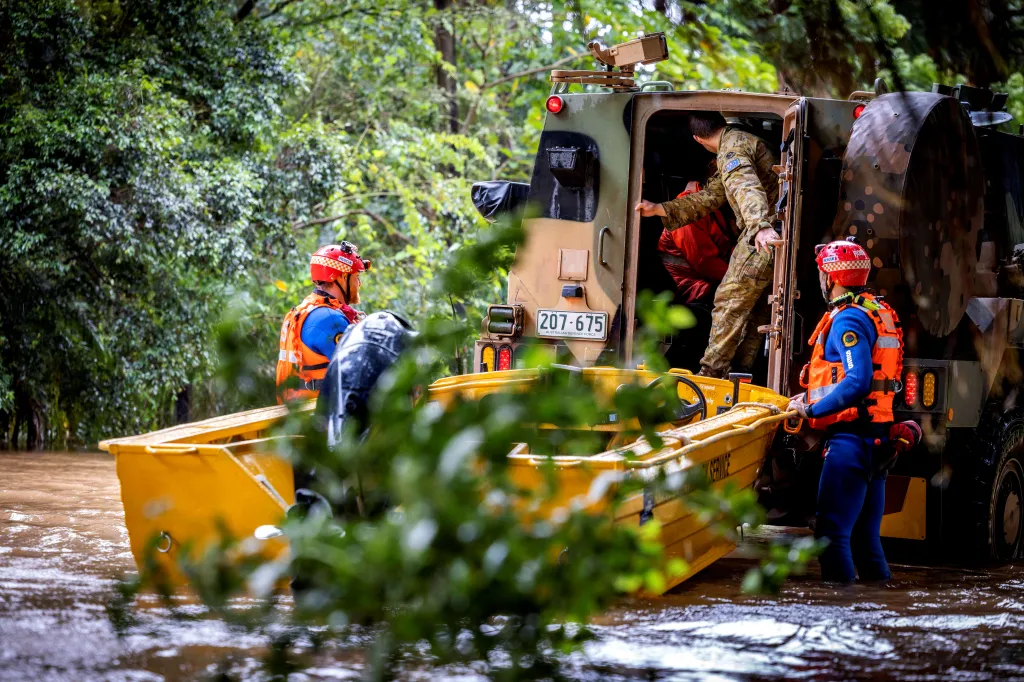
(63, 544)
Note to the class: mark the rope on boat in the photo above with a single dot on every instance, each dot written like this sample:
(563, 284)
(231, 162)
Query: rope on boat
(774, 409)
(710, 440)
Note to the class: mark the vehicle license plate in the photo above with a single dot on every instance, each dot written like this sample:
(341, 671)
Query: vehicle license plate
(567, 324)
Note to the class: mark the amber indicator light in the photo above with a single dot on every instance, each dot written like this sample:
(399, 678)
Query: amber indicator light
(487, 359)
(928, 389)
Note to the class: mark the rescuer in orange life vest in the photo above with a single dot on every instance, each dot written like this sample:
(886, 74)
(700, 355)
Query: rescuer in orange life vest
(851, 381)
(312, 330)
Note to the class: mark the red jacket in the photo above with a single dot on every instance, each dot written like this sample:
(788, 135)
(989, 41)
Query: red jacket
(702, 250)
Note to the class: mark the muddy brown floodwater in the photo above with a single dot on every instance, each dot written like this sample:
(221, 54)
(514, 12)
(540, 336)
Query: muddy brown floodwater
(63, 545)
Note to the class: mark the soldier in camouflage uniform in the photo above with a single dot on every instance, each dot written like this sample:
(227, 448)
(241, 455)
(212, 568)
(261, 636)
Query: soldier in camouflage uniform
(746, 180)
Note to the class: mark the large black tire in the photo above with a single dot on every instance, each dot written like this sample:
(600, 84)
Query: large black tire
(995, 497)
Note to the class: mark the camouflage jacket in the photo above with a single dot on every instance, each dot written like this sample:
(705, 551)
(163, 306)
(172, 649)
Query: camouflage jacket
(745, 179)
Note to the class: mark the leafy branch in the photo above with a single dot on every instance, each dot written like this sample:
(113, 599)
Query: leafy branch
(388, 226)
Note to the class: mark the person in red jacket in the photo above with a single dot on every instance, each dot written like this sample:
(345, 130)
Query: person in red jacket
(696, 255)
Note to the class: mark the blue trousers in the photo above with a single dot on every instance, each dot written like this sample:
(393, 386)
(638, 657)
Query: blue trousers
(851, 498)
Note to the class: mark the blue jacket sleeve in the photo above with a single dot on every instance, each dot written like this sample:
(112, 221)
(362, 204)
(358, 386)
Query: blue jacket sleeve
(322, 330)
(850, 340)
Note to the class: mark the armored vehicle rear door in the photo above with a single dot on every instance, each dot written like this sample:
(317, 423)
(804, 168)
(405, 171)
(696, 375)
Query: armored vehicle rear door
(780, 334)
(760, 114)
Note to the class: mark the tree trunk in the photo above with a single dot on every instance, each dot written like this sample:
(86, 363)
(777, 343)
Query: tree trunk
(444, 41)
(183, 405)
(26, 413)
(34, 436)
(15, 429)
(784, 86)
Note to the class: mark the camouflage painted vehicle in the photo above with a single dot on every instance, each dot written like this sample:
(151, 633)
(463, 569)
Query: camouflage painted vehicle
(931, 183)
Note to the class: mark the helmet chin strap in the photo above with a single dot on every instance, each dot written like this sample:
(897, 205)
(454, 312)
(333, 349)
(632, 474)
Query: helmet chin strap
(345, 290)
(826, 284)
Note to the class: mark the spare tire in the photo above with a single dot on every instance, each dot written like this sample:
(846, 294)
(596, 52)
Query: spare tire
(913, 192)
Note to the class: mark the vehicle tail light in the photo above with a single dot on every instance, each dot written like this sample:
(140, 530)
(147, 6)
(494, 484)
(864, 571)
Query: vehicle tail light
(504, 358)
(555, 104)
(910, 389)
(487, 359)
(857, 111)
(928, 389)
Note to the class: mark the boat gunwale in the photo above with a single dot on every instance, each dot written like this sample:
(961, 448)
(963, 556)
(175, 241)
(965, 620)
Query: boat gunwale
(617, 460)
(223, 426)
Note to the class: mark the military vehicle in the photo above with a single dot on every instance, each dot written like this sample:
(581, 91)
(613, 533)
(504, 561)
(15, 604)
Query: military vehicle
(930, 182)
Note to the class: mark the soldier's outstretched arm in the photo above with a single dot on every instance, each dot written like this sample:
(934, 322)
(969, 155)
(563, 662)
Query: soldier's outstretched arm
(693, 207)
(740, 178)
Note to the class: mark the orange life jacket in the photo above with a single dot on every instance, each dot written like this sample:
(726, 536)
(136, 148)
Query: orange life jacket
(821, 376)
(296, 358)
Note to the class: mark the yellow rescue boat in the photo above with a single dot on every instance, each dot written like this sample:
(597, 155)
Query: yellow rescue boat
(186, 485)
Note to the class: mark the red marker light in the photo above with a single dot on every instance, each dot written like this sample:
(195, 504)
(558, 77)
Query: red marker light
(504, 358)
(555, 104)
(910, 389)
(857, 111)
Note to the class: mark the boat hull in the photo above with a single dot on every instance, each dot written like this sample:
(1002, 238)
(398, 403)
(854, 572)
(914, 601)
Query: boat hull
(188, 487)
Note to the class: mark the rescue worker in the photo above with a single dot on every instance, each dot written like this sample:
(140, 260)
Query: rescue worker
(851, 381)
(747, 182)
(311, 330)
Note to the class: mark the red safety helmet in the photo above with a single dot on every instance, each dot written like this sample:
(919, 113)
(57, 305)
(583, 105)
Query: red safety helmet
(336, 259)
(846, 262)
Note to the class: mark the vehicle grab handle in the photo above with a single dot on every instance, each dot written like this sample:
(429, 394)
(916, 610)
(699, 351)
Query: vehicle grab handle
(171, 449)
(600, 245)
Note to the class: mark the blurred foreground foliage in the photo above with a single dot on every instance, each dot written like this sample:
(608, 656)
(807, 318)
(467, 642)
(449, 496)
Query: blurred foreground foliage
(447, 557)
(163, 160)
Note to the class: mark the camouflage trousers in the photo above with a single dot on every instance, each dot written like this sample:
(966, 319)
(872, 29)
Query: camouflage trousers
(741, 305)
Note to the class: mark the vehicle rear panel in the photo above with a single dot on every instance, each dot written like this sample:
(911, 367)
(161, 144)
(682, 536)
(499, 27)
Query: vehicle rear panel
(575, 244)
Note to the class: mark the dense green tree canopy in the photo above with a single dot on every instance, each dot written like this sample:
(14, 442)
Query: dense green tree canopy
(162, 160)
(145, 163)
